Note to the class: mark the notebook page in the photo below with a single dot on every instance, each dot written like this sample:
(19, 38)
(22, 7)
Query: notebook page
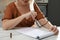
(34, 32)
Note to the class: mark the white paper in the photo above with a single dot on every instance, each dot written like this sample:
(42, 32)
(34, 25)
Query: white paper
(34, 32)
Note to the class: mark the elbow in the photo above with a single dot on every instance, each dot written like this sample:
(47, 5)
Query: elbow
(5, 25)
(5, 28)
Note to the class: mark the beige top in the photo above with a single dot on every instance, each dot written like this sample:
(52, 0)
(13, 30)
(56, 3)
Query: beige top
(12, 12)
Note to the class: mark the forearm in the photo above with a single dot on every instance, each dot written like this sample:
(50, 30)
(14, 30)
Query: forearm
(45, 23)
(9, 24)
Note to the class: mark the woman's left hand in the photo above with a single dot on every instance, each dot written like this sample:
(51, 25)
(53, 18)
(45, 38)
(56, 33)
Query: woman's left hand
(55, 30)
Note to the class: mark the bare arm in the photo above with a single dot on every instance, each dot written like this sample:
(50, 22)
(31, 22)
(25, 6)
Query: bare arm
(9, 24)
(48, 25)
(44, 22)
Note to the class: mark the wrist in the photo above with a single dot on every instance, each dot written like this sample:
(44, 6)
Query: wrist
(22, 16)
(48, 25)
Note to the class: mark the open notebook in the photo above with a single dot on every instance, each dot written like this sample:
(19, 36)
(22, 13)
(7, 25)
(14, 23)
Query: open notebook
(35, 32)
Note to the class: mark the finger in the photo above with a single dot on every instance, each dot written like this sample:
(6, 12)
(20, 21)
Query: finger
(51, 28)
(54, 29)
(56, 32)
(33, 17)
(34, 14)
(28, 15)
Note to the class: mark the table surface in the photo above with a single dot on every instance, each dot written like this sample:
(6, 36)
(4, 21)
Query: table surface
(5, 35)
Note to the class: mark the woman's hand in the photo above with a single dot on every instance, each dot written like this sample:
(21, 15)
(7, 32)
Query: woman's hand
(55, 30)
(30, 14)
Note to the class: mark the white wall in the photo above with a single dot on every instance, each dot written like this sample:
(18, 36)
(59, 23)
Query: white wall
(3, 4)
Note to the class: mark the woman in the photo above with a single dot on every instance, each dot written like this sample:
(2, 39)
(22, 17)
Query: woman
(18, 14)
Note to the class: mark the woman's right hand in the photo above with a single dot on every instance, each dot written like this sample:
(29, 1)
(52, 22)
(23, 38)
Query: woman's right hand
(30, 14)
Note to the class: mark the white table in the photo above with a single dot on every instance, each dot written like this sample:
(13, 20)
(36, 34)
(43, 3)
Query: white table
(58, 38)
(5, 35)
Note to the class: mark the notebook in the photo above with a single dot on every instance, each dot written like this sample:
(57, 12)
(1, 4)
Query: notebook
(35, 32)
